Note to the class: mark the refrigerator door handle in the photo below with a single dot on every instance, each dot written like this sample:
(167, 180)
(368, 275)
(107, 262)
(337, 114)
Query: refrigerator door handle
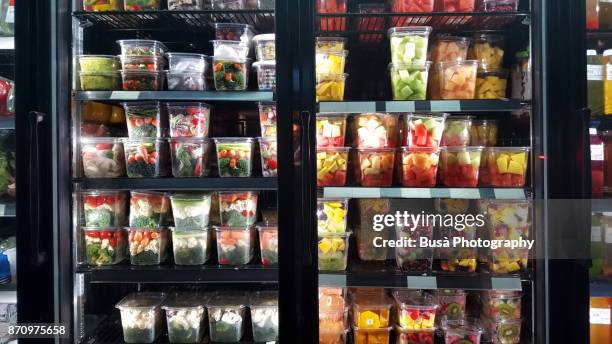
(35, 118)
(307, 177)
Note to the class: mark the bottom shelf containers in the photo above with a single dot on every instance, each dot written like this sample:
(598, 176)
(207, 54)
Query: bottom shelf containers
(141, 317)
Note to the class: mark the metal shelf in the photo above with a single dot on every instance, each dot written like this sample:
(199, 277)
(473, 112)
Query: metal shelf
(484, 105)
(217, 184)
(168, 274)
(399, 192)
(7, 122)
(7, 210)
(211, 96)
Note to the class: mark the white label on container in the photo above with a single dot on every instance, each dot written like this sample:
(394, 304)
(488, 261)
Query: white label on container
(596, 234)
(608, 235)
(599, 316)
(10, 14)
(597, 152)
(595, 72)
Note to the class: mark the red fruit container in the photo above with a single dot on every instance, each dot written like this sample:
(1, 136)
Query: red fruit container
(332, 6)
(419, 167)
(424, 130)
(404, 6)
(457, 5)
(332, 166)
(452, 303)
(406, 336)
(459, 166)
(331, 130)
(375, 167)
(376, 130)
(415, 311)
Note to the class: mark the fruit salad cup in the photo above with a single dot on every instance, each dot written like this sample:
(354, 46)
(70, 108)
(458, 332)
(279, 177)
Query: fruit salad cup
(226, 316)
(331, 130)
(191, 246)
(331, 215)
(409, 44)
(265, 47)
(329, 7)
(235, 156)
(458, 79)
(513, 213)
(148, 209)
(189, 119)
(452, 303)
(370, 336)
(332, 166)
(235, 245)
(414, 259)
(507, 166)
(406, 336)
(457, 5)
(141, 47)
(371, 311)
(143, 119)
(449, 48)
(264, 316)
(268, 152)
(145, 157)
(141, 5)
(483, 133)
(238, 209)
(267, 119)
(501, 305)
(148, 245)
(231, 74)
(407, 6)
(142, 80)
(189, 156)
(487, 49)
(328, 62)
(419, 167)
(186, 316)
(458, 259)
(415, 311)
(141, 316)
(456, 332)
(503, 332)
(268, 244)
(507, 260)
(332, 44)
(191, 211)
(102, 5)
(333, 251)
(459, 166)
(375, 167)
(105, 246)
(103, 209)
(330, 87)
(457, 131)
(409, 81)
(102, 157)
(424, 130)
(376, 130)
(491, 83)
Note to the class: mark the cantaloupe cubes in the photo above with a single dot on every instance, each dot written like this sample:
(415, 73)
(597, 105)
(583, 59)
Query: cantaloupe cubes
(458, 79)
(491, 84)
(419, 167)
(449, 49)
(488, 50)
(375, 167)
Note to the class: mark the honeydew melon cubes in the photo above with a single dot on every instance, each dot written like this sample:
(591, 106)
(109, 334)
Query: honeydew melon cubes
(409, 81)
(409, 44)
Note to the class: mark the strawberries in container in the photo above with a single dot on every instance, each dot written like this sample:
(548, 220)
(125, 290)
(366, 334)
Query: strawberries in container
(330, 7)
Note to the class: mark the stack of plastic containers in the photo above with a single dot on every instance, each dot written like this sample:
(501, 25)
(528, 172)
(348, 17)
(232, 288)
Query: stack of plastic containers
(141, 316)
(332, 155)
(409, 67)
(367, 209)
(265, 50)
(148, 236)
(333, 316)
(191, 236)
(492, 79)
(333, 234)
(236, 235)
(501, 316)
(268, 140)
(98, 72)
(330, 60)
(189, 143)
(416, 316)
(376, 137)
(231, 50)
(371, 316)
(264, 316)
(186, 72)
(142, 63)
(420, 155)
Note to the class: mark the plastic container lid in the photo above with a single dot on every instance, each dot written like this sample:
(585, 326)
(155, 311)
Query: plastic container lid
(233, 139)
(416, 149)
(145, 300)
(228, 299)
(264, 299)
(417, 65)
(186, 55)
(487, 37)
(264, 37)
(258, 64)
(443, 64)
(590, 52)
(237, 25)
(266, 228)
(122, 42)
(188, 140)
(88, 140)
(408, 299)
(189, 230)
(178, 301)
(142, 140)
(189, 197)
(100, 229)
(409, 30)
(372, 301)
(444, 38)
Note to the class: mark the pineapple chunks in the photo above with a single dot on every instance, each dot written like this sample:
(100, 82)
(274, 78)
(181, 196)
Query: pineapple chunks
(490, 87)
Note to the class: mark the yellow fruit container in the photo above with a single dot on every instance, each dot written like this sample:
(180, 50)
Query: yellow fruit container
(331, 215)
(333, 251)
(483, 133)
(330, 87)
(330, 44)
(506, 166)
(491, 83)
(508, 261)
(372, 336)
(487, 49)
(332, 166)
(371, 311)
(330, 62)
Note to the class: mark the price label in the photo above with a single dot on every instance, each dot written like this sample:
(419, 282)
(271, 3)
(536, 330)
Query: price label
(599, 316)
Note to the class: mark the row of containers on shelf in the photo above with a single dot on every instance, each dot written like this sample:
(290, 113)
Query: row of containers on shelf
(190, 315)
(501, 220)
(140, 67)
(145, 152)
(419, 316)
(454, 68)
(176, 5)
(146, 241)
(463, 149)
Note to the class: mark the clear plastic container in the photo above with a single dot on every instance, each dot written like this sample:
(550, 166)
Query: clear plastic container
(500, 5)
(102, 157)
(265, 47)
(457, 131)
(507, 260)
(98, 63)
(141, 5)
(189, 156)
(409, 44)
(269, 161)
(235, 245)
(99, 81)
(502, 332)
(266, 75)
(105, 246)
(406, 6)
(376, 130)
(331, 215)
(424, 130)
(142, 81)
(179, 5)
(491, 83)
(102, 5)
(487, 49)
(369, 336)
(142, 63)
(143, 119)
(367, 208)
(234, 32)
(483, 133)
(329, 335)
(231, 75)
(145, 157)
(459, 166)
(104, 209)
(332, 166)
(415, 311)
(419, 167)
(409, 82)
(333, 251)
(269, 216)
(186, 317)
(500, 306)
(414, 259)
(267, 119)
(264, 316)
(268, 244)
(459, 258)
(191, 246)
(332, 6)
(235, 156)
(457, 5)
(185, 62)
(331, 130)
(514, 214)
(371, 312)
(226, 313)
(148, 246)
(141, 47)
(266, 4)
(186, 81)
(329, 62)
(148, 209)
(190, 211)
(330, 87)
(458, 79)
(507, 166)
(330, 44)
(452, 303)
(141, 316)
(238, 209)
(449, 48)
(406, 336)
(375, 167)
(230, 50)
(461, 331)
(189, 119)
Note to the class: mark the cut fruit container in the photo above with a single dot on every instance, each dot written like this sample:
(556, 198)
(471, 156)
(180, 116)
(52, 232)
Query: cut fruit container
(507, 166)
(329, 62)
(185, 62)
(461, 331)
(238, 208)
(449, 48)
(266, 75)
(102, 157)
(371, 311)
(457, 5)
(415, 311)
(330, 87)
(235, 245)
(105, 246)
(458, 79)
(365, 236)
(459, 166)
(502, 332)
(268, 245)
(102, 5)
(487, 49)
(148, 246)
(409, 44)
(190, 210)
(375, 168)
(483, 133)
(226, 316)
(367, 336)
(451, 303)
(331, 44)
(499, 306)
(457, 131)
(491, 83)
(145, 157)
(189, 156)
(407, 6)
(331, 215)
(460, 258)
(419, 166)
(264, 316)
(185, 81)
(186, 317)
(424, 130)
(269, 161)
(191, 246)
(376, 130)
(141, 47)
(99, 81)
(103, 209)
(409, 81)
(148, 209)
(143, 119)
(512, 213)
(267, 119)
(234, 32)
(331, 130)
(141, 316)
(422, 336)
(414, 259)
(265, 47)
(333, 251)
(507, 260)
(332, 165)
(235, 156)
